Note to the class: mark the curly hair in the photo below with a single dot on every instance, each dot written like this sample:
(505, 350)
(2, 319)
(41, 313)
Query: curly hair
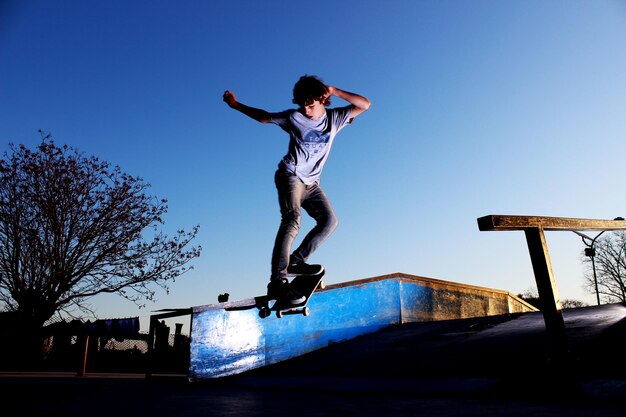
(308, 89)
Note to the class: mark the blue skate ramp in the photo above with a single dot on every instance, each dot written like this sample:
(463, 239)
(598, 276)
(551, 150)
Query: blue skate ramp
(231, 338)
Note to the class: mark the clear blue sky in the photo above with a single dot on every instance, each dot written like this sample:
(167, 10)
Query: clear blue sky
(479, 107)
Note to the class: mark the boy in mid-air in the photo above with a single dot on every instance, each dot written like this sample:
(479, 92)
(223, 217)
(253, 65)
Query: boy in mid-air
(312, 129)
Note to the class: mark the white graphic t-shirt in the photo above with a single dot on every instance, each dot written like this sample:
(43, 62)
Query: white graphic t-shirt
(310, 140)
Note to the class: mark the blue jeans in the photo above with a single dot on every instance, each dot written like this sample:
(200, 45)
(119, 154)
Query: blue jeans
(293, 195)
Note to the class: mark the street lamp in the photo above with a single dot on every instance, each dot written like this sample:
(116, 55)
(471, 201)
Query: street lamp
(590, 251)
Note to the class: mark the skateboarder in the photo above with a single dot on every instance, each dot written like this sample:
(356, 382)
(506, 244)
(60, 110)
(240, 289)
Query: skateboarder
(312, 128)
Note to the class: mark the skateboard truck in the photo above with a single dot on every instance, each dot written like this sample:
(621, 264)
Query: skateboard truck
(266, 311)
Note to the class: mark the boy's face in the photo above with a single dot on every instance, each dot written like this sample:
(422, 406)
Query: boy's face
(314, 110)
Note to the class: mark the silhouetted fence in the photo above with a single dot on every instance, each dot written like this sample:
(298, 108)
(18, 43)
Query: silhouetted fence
(103, 346)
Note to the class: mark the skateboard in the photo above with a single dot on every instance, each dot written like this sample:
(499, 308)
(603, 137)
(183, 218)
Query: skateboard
(305, 284)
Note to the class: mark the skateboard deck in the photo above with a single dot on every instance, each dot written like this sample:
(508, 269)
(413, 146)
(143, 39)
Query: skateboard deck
(305, 284)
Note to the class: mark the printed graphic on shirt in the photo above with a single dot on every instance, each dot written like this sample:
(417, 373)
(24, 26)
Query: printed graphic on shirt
(315, 141)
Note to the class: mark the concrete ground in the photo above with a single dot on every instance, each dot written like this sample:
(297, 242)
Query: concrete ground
(95, 397)
(500, 366)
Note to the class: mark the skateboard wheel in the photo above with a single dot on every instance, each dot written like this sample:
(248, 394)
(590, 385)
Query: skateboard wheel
(321, 285)
(279, 314)
(264, 313)
(306, 311)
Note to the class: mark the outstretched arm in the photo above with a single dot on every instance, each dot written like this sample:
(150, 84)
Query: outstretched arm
(359, 103)
(257, 114)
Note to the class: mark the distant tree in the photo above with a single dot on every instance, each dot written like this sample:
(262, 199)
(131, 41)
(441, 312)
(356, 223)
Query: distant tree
(531, 296)
(610, 267)
(72, 227)
(568, 303)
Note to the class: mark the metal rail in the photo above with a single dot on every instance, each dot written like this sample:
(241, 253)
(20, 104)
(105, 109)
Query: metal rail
(534, 227)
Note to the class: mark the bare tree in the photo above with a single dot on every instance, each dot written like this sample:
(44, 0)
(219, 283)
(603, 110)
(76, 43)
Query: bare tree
(531, 296)
(609, 257)
(72, 227)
